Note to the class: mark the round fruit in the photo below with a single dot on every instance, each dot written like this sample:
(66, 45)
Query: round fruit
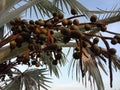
(112, 51)
(31, 22)
(17, 20)
(65, 31)
(60, 16)
(12, 22)
(73, 11)
(76, 22)
(65, 22)
(54, 62)
(93, 18)
(74, 27)
(76, 34)
(118, 38)
(44, 31)
(87, 26)
(41, 22)
(103, 28)
(42, 37)
(76, 55)
(48, 24)
(54, 14)
(12, 44)
(114, 41)
(69, 22)
(24, 22)
(37, 31)
(95, 40)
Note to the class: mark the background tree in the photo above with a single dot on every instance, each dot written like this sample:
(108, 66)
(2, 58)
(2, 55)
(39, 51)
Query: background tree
(39, 43)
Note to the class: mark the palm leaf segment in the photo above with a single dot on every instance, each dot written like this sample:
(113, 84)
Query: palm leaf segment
(32, 79)
(86, 55)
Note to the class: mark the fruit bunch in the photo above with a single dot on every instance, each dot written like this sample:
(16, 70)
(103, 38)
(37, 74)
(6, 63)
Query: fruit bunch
(42, 33)
(43, 43)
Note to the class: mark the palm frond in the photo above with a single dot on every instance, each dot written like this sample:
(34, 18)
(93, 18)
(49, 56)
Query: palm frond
(45, 7)
(112, 16)
(6, 5)
(72, 4)
(16, 12)
(29, 81)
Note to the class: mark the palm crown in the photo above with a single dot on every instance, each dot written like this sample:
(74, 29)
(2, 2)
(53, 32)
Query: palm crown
(39, 43)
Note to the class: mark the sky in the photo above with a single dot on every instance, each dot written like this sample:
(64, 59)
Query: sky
(65, 82)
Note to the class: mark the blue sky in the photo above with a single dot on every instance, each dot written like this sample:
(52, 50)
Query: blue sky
(64, 82)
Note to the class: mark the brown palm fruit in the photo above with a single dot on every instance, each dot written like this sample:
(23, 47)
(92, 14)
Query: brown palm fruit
(87, 27)
(54, 62)
(93, 18)
(12, 22)
(70, 22)
(65, 22)
(76, 22)
(48, 24)
(76, 55)
(41, 22)
(95, 40)
(66, 39)
(103, 28)
(114, 41)
(65, 31)
(75, 34)
(117, 37)
(54, 14)
(24, 22)
(12, 44)
(74, 27)
(112, 51)
(73, 11)
(60, 15)
(42, 37)
(31, 22)
(44, 31)
(37, 31)
(17, 20)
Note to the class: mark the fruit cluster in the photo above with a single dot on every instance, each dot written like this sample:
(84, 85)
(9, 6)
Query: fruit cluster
(41, 32)
(43, 43)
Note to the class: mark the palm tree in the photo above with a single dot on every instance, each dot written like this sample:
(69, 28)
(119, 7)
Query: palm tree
(37, 44)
